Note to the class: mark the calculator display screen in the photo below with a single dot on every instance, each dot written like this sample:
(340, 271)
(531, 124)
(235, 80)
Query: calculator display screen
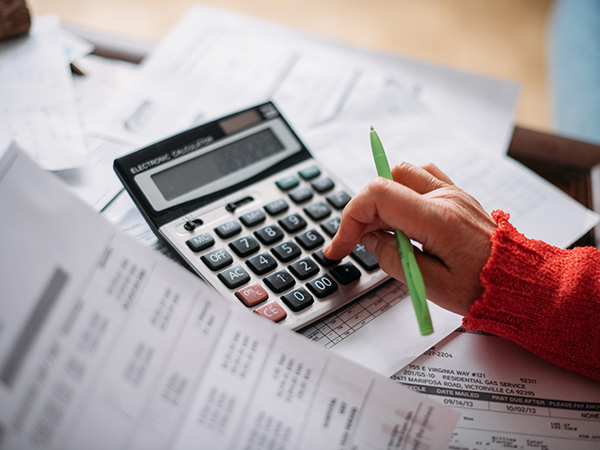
(204, 169)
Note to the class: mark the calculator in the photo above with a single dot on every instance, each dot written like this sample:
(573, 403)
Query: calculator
(241, 202)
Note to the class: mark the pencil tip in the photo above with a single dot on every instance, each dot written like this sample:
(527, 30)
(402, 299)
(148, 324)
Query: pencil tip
(372, 129)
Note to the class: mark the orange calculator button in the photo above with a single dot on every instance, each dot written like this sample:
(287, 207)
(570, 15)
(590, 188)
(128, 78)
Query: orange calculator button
(252, 295)
(272, 311)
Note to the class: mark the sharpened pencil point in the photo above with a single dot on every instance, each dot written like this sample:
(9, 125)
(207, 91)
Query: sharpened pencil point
(372, 129)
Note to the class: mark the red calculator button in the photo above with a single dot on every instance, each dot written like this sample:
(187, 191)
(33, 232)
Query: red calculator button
(252, 295)
(272, 311)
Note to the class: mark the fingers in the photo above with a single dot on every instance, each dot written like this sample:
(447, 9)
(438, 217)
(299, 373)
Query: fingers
(436, 275)
(377, 207)
(436, 172)
(420, 179)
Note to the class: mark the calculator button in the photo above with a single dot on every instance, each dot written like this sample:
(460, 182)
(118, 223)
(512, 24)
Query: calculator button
(310, 239)
(317, 211)
(262, 263)
(298, 299)
(252, 295)
(269, 234)
(279, 281)
(322, 185)
(234, 277)
(217, 259)
(309, 173)
(277, 207)
(253, 218)
(286, 251)
(301, 195)
(322, 286)
(244, 246)
(363, 257)
(325, 262)
(287, 183)
(345, 273)
(272, 311)
(331, 226)
(200, 242)
(228, 229)
(304, 268)
(338, 199)
(292, 223)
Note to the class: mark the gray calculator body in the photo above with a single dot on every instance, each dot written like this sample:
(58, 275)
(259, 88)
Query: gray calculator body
(242, 203)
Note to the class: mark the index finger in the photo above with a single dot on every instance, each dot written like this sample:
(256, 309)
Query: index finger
(378, 206)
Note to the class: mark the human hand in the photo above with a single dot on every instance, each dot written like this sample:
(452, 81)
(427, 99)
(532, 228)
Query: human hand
(452, 227)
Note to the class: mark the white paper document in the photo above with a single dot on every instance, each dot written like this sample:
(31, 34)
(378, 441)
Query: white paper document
(508, 397)
(38, 107)
(538, 209)
(107, 344)
(215, 61)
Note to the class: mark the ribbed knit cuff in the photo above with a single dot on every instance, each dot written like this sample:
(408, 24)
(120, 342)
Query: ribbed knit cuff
(544, 298)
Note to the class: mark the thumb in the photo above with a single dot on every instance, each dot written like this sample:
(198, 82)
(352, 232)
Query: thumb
(383, 246)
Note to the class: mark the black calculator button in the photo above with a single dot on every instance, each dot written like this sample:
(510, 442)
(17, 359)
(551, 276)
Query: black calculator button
(228, 229)
(331, 226)
(363, 257)
(200, 242)
(292, 223)
(280, 281)
(286, 251)
(253, 218)
(301, 195)
(287, 183)
(322, 185)
(298, 299)
(338, 199)
(325, 262)
(322, 286)
(234, 277)
(261, 264)
(244, 246)
(345, 273)
(277, 207)
(309, 173)
(304, 268)
(217, 259)
(269, 235)
(310, 239)
(317, 211)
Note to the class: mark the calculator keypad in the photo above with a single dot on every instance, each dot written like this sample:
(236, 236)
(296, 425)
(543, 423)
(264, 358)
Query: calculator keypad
(267, 252)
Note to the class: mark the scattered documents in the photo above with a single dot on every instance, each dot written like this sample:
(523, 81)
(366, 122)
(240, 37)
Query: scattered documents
(107, 344)
(508, 397)
(38, 107)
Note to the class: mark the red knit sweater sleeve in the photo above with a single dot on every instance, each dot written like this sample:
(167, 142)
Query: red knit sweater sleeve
(544, 298)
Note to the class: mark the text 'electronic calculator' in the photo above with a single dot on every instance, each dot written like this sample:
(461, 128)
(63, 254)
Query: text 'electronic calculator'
(242, 203)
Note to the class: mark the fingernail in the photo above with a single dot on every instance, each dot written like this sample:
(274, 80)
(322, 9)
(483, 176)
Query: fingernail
(370, 242)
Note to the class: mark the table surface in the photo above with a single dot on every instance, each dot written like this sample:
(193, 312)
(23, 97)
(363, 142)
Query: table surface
(504, 39)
